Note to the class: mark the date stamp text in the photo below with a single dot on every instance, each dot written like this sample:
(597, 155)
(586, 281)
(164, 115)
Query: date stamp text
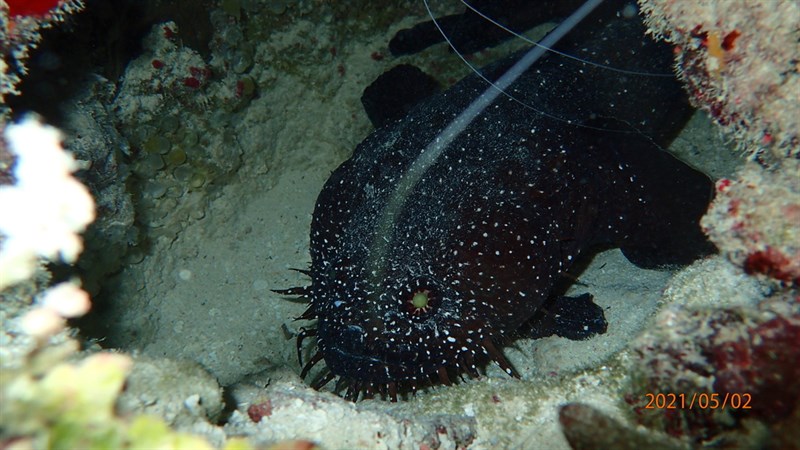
(698, 400)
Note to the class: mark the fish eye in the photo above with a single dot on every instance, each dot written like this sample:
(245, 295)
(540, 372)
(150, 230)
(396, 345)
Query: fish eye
(420, 301)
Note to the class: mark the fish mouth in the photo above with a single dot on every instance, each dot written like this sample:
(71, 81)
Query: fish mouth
(353, 353)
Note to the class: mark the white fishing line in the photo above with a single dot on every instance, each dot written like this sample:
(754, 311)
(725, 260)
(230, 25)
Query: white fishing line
(434, 149)
(539, 44)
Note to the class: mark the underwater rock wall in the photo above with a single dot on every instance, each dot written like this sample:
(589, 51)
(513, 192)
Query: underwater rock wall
(727, 325)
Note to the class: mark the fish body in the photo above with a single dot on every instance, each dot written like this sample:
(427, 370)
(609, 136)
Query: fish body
(478, 244)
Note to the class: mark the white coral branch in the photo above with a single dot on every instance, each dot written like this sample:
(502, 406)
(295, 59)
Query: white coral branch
(42, 214)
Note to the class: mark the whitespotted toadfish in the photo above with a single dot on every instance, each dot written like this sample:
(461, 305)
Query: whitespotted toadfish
(430, 287)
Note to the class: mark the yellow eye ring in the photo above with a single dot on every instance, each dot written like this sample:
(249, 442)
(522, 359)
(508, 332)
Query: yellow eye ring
(420, 301)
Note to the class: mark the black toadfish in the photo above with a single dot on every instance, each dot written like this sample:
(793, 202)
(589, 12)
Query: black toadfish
(427, 284)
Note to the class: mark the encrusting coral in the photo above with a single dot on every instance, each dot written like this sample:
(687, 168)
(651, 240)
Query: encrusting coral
(21, 23)
(738, 61)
